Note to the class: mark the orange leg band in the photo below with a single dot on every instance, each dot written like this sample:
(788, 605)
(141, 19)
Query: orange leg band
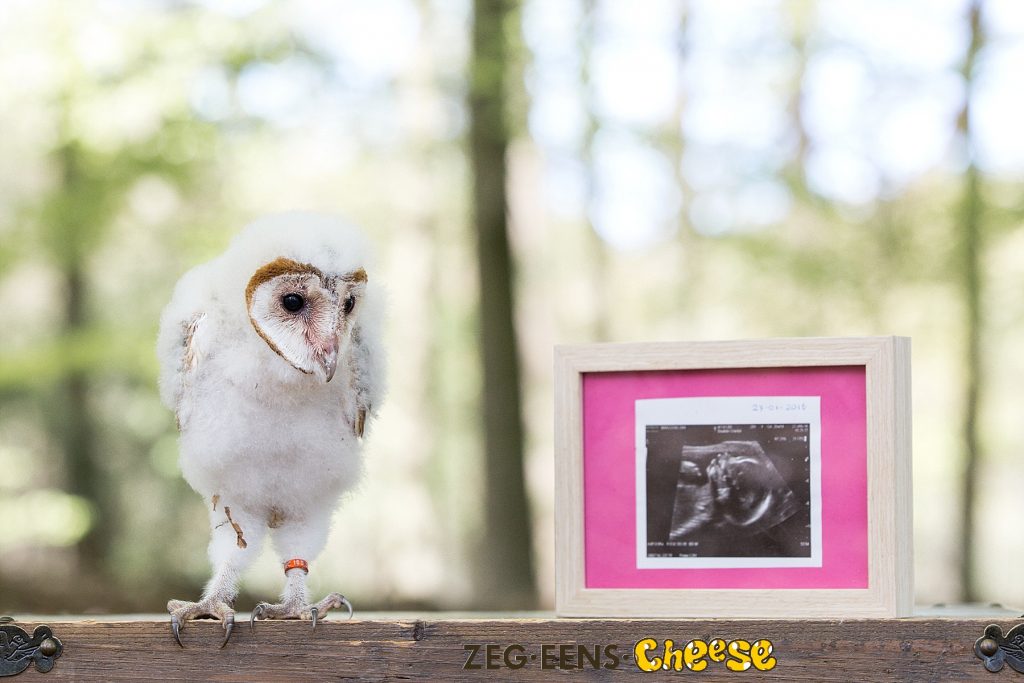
(296, 563)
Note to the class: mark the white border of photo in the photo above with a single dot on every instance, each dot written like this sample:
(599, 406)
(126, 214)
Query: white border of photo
(739, 410)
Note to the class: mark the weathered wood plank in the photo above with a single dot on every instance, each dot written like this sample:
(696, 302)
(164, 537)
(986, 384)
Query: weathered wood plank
(435, 648)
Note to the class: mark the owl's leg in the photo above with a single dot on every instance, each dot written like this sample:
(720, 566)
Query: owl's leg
(296, 543)
(234, 543)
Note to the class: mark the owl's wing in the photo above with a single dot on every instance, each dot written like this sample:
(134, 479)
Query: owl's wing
(367, 358)
(180, 344)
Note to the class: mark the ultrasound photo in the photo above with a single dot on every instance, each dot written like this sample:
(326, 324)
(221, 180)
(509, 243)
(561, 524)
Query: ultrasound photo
(728, 482)
(728, 490)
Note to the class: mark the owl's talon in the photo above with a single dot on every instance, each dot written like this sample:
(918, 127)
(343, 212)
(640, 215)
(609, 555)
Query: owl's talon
(229, 626)
(348, 605)
(295, 609)
(176, 630)
(257, 613)
(217, 608)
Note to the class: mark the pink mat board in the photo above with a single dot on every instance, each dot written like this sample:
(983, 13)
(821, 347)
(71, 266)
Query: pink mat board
(609, 474)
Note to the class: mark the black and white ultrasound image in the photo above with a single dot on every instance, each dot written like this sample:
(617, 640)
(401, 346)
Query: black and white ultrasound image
(728, 491)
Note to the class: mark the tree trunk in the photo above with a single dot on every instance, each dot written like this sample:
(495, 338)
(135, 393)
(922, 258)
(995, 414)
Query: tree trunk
(77, 429)
(78, 433)
(971, 248)
(599, 261)
(505, 569)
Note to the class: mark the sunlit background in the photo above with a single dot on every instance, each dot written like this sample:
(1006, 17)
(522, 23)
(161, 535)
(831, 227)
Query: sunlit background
(677, 170)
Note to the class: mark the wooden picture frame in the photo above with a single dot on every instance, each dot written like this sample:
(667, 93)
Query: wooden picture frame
(864, 510)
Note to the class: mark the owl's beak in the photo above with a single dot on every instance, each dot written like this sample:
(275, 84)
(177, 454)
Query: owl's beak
(329, 360)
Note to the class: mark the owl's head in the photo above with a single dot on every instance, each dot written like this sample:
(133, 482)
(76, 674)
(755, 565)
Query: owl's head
(304, 315)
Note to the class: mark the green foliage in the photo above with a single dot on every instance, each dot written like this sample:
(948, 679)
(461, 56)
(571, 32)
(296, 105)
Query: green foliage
(139, 137)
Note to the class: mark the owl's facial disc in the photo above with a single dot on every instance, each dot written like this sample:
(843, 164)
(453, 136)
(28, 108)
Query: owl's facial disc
(304, 315)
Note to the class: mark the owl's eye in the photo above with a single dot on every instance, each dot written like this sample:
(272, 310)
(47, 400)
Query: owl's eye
(350, 303)
(293, 302)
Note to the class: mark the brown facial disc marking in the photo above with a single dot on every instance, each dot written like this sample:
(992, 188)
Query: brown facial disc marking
(279, 266)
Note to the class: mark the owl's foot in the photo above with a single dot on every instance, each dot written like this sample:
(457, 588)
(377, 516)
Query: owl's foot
(181, 611)
(297, 610)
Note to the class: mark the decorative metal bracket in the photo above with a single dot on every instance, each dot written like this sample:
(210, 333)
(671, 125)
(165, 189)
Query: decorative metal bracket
(994, 649)
(18, 650)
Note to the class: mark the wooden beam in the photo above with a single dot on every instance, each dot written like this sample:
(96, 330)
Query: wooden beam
(437, 647)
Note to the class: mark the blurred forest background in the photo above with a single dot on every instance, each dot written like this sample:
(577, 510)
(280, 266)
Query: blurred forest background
(670, 170)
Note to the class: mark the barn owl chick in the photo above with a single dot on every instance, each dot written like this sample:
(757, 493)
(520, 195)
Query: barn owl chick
(271, 360)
